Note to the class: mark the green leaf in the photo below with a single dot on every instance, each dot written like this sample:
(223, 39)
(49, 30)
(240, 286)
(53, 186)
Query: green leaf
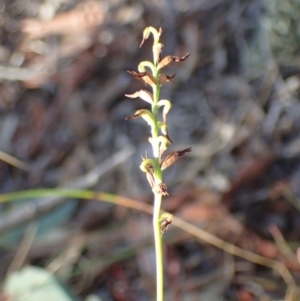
(35, 284)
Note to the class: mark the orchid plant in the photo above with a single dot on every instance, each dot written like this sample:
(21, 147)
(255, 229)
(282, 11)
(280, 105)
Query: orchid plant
(150, 73)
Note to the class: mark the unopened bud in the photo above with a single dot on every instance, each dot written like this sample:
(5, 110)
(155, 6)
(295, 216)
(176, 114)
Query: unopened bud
(163, 78)
(167, 107)
(165, 221)
(143, 65)
(143, 94)
(146, 76)
(168, 60)
(146, 34)
(157, 49)
(161, 188)
(172, 157)
(145, 114)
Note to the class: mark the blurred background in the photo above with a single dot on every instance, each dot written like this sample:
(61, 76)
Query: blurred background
(63, 76)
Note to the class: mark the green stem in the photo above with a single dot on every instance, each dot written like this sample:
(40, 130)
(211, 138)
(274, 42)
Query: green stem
(155, 109)
(157, 196)
(158, 248)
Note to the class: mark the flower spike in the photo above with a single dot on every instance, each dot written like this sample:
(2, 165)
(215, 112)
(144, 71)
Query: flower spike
(150, 73)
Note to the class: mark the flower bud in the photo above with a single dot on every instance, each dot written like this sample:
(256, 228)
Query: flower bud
(161, 188)
(146, 76)
(172, 157)
(157, 49)
(167, 107)
(164, 130)
(143, 94)
(168, 60)
(163, 78)
(147, 166)
(165, 221)
(146, 34)
(145, 114)
(142, 66)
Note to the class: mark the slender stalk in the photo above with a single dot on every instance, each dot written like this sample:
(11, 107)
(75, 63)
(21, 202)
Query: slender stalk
(155, 109)
(158, 248)
(157, 196)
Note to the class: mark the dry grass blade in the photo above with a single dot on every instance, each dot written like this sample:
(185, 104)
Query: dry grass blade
(208, 238)
(23, 249)
(13, 161)
(29, 212)
(185, 226)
